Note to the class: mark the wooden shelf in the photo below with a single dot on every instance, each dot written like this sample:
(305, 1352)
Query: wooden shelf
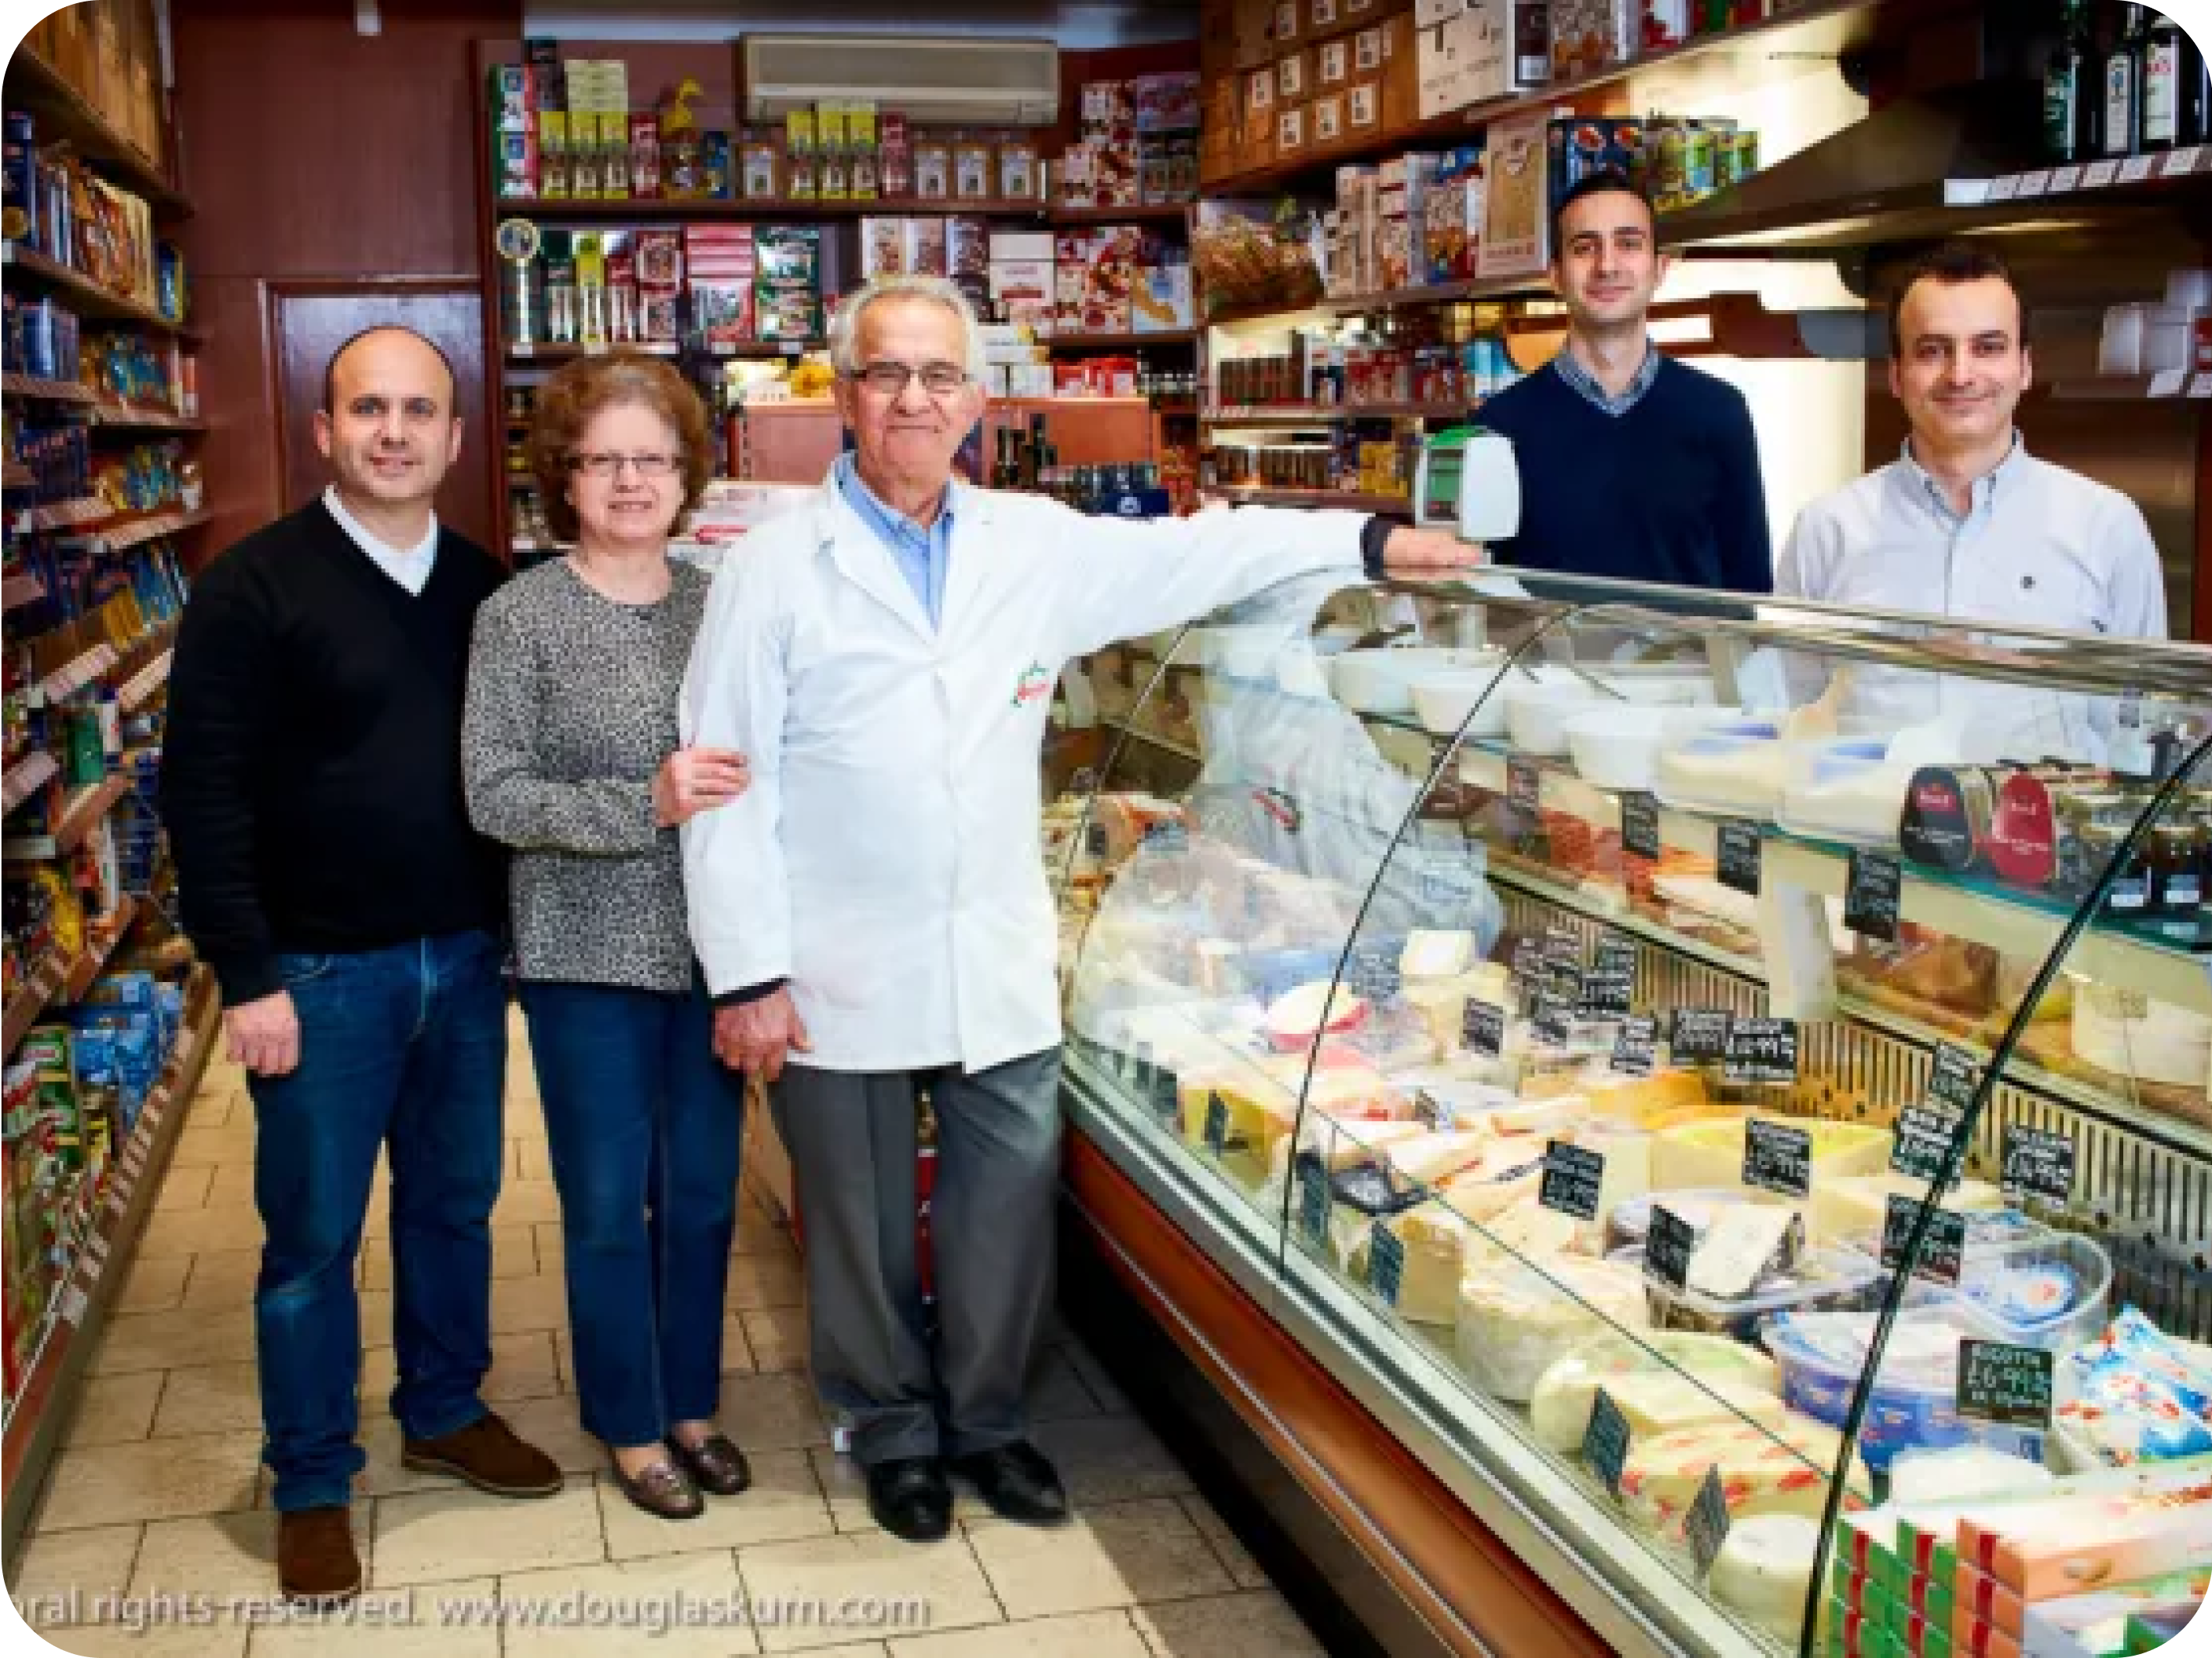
(21, 590)
(70, 514)
(1120, 341)
(93, 959)
(2179, 386)
(139, 691)
(130, 533)
(128, 418)
(1247, 494)
(25, 778)
(64, 116)
(78, 672)
(1396, 298)
(15, 475)
(85, 809)
(1319, 413)
(85, 295)
(659, 208)
(30, 385)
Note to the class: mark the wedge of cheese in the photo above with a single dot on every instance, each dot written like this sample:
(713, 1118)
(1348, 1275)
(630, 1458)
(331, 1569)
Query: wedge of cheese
(1506, 1172)
(1765, 1469)
(1707, 1155)
(1515, 1322)
(1298, 1015)
(1745, 1241)
(1255, 1116)
(1668, 1095)
(1560, 1407)
(1442, 1002)
(1857, 1206)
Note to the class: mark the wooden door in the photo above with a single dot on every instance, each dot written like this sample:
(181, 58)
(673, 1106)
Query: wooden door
(309, 322)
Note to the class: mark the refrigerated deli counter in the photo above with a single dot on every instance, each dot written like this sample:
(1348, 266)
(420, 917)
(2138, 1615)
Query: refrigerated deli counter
(1718, 1094)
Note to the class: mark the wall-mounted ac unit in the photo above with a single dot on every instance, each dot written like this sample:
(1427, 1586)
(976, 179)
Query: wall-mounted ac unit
(987, 83)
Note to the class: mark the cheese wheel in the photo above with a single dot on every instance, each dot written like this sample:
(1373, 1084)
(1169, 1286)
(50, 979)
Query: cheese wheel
(1514, 1325)
(1765, 1568)
(1435, 955)
(1560, 1408)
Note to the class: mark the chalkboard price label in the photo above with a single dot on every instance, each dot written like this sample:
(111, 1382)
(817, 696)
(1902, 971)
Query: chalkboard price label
(1777, 1157)
(1216, 1122)
(1313, 1201)
(1668, 1247)
(1635, 1049)
(1606, 1440)
(1706, 1525)
(1373, 973)
(2001, 1383)
(1482, 1028)
(1528, 960)
(1924, 1133)
(1607, 991)
(1386, 1264)
(1739, 846)
(1871, 895)
(1639, 824)
(2037, 1164)
(1573, 1177)
(1167, 1094)
(1699, 1036)
(1761, 1051)
(1954, 1077)
(1941, 1257)
(1432, 1112)
(1524, 786)
(1553, 1018)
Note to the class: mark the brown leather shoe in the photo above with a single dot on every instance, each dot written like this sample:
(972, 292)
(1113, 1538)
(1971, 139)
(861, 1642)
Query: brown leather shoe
(716, 1464)
(487, 1455)
(663, 1490)
(315, 1558)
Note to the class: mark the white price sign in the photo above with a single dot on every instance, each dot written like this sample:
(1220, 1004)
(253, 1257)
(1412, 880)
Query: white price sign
(523, 348)
(2168, 382)
(2099, 174)
(2064, 178)
(2179, 163)
(2004, 189)
(2142, 167)
(74, 1303)
(2035, 184)
(2201, 386)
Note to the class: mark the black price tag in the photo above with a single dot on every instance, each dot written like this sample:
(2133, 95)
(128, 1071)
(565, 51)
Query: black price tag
(1573, 1176)
(1924, 1140)
(1373, 972)
(1871, 895)
(1431, 1112)
(1739, 846)
(1608, 992)
(1954, 1077)
(1699, 1036)
(1524, 784)
(2000, 1382)
(1605, 1442)
(1706, 1525)
(1217, 1123)
(1777, 1157)
(1386, 1263)
(1482, 1028)
(2037, 1163)
(1761, 1051)
(1167, 1094)
(1313, 1201)
(1553, 1018)
(1528, 960)
(1668, 1247)
(1636, 1049)
(1615, 954)
(1639, 824)
(1941, 1256)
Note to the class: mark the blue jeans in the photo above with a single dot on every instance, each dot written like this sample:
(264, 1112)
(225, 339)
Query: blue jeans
(403, 1048)
(642, 1127)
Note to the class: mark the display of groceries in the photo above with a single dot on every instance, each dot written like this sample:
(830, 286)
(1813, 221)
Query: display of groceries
(1661, 1240)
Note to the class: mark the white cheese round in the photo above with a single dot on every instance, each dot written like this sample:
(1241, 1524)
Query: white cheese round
(1764, 1568)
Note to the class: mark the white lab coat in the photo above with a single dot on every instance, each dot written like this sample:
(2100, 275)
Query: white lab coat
(886, 858)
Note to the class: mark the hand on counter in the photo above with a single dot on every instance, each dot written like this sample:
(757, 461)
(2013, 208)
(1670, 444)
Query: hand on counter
(1426, 554)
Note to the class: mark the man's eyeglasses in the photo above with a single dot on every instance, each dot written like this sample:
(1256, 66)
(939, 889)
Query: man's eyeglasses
(603, 465)
(891, 380)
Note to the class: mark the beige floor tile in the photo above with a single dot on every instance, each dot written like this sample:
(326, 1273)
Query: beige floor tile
(522, 1367)
(847, 1487)
(1056, 1391)
(222, 1277)
(1103, 1385)
(231, 1188)
(943, 1577)
(758, 1281)
(1257, 1624)
(56, 1565)
(153, 1286)
(701, 1576)
(775, 1412)
(531, 1160)
(783, 1504)
(851, 1650)
(115, 1409)
(183, 1335)
(410, 1628)
(526, 1202)
(383, 1474)
(765, 1241)
(1111, 1459)
(538, 1302)
(223, 1639)
(1084, 1635)
(206, 1398)
(551, 1425)
(184, 1188)
(207, 1147)
(223, 1554)
(1114, 1555)
(777, 1336)
(430, 1536)
(1234, 1557)
(109, 1484)
(375, 1317)
(189, 1231)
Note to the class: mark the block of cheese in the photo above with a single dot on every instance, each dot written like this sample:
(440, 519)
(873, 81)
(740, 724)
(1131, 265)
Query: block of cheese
(1658, 1401)
(1256, 1115)
(1710, 1154)
(1340, 1145)
(1560, 1407)
(1435, 1244)
(1436, 955)
(1857, 1206)
(1515, 1323)
(1523, 1230)
(1442, 1002)
(1667, 1095)
(1765, 1569)
(1505, 1171)
(1433, 1158)
(1744, 1242)
(1765, 1469)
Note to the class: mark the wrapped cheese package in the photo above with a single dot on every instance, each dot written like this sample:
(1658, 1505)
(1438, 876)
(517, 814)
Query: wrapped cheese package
(1560, 1407)
(1763, 1469)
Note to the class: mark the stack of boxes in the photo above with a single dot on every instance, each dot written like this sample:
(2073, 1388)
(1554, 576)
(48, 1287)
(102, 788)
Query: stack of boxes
(110, 52)
(561, 129)
(59, 206)
(1286, 80)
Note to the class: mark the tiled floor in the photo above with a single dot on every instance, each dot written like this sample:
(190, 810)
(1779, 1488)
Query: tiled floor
(160, 1490)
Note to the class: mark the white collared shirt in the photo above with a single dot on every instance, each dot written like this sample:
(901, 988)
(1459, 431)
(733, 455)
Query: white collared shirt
(408, 566)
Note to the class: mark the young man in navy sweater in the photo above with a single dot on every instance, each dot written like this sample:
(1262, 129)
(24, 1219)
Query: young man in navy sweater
(1632, 466)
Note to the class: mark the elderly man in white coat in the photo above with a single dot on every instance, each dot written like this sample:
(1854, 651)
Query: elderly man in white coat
(874, 916)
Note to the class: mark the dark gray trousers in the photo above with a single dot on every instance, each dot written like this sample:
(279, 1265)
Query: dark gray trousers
(851, 1137)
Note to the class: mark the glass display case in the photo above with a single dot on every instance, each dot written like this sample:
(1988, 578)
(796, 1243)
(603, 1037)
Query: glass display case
(1726, 1086)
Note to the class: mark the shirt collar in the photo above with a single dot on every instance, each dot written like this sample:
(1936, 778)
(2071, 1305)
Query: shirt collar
(1571, 371)
(1986, 487)
(880, 515)
(367, 540)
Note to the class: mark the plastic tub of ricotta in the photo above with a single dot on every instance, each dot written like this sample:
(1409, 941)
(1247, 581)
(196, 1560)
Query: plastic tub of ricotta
(2033, 1286)
(1819, 1280)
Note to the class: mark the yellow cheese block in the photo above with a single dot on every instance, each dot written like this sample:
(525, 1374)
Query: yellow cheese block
(1708, 1155)
(1255, 1116)
(1559, 1409)
(1782, 1467)
(1857, 1206)
(1665, 1096)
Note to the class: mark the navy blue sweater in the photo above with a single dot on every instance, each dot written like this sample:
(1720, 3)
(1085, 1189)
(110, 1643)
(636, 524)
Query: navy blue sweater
(1669, 492)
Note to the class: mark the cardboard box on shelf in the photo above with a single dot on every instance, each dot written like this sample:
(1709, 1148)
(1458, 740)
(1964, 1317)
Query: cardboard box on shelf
(1434, 13)
(1363, 108)
(1289, 27)
(1294, 77)
(925, 247)
(1292, 134)
(1162, 301)
(1591, 36)
(1328, 123)
(1256, 145)
(1022, 280)
(1463, 61)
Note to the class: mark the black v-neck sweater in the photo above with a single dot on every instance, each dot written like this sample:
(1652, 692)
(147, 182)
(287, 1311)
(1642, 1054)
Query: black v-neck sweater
(311, 775)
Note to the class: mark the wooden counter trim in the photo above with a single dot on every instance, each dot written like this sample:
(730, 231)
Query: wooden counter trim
(1478, 1596)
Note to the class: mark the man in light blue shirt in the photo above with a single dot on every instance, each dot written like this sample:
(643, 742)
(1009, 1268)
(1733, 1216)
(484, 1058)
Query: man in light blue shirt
(922, 551)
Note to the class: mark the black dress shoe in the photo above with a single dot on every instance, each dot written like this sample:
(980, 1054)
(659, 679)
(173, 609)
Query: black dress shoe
(1017, 1483)
(716, 1464)
(909, 1498)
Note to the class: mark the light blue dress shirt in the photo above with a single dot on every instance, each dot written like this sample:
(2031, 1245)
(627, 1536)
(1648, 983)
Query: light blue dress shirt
(922, 555)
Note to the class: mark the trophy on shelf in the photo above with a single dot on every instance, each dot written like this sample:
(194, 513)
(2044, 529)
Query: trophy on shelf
(517, 241)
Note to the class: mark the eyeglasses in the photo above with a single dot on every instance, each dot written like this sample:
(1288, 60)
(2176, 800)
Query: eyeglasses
(891, 380)
(602, 465)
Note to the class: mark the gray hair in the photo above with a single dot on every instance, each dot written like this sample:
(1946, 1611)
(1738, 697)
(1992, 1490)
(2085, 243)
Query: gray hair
(845, 321)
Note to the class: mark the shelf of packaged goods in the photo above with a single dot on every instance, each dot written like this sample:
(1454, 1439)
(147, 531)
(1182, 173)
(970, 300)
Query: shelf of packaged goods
(75, 674)
(529, 351)
(106, 934)
(64, 116)
(33, 996)
(86, 807)
(85, 295)
(1245, 495)
(2172, 386)
(140, 689)
(132, 417)
(30, 385)
(25, 778)
(120, 535)
(39, 1407)
(1487, 288)
(21, 589)
(1324, 413)
(2011, 922)
(659, 208)
(1120, 341)
(68, 514)
(1138, 733)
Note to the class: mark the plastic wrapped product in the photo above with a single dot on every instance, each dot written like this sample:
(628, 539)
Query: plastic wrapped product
(1514, 1324)
(1560, 1407)
(1763, 1469)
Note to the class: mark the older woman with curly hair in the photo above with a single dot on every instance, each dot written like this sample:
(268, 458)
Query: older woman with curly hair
(572, 757)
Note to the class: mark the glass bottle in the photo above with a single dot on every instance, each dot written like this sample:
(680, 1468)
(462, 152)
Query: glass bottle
(2122, 79)
(2163, 69)
(2069, 134)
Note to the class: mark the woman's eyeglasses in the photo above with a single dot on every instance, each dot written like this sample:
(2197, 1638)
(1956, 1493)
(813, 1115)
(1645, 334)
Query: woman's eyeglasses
(602, 465)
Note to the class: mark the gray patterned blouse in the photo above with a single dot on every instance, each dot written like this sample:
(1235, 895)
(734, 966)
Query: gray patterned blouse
(572, 706)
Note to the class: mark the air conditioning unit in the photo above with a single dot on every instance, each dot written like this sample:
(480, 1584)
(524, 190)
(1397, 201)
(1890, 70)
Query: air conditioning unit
(983, 82)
